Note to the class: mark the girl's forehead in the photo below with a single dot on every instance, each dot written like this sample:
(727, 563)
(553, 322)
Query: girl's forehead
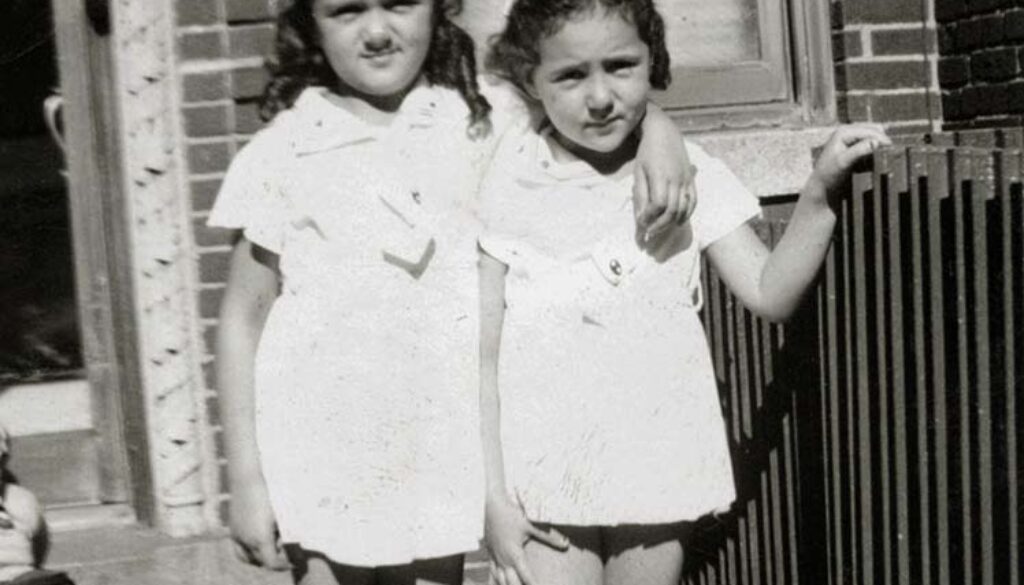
(591, 33)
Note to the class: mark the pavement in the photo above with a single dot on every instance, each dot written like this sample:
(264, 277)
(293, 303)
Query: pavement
(135, 555)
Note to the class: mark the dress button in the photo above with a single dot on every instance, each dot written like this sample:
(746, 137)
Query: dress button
(615, 267)
(416, 196)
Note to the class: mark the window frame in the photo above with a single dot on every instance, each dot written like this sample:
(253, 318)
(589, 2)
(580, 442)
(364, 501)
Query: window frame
(807, 97)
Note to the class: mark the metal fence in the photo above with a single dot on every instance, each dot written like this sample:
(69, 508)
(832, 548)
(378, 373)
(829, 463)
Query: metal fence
(875, 437)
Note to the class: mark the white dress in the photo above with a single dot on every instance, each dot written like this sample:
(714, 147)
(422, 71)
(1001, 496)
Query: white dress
(610, 409)
(366, 374)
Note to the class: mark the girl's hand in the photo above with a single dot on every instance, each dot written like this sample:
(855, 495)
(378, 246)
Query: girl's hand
(253, 528)
(847, 146)
(663, 188)
(507, 531)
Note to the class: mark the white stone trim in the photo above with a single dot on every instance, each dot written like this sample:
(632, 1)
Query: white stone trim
(146, 101)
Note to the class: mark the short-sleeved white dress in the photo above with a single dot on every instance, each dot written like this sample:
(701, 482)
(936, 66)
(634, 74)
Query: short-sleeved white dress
(366, 374)
(610, 410)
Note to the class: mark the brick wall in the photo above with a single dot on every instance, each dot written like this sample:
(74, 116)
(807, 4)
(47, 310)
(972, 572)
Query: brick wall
(982, 66)
(886, 63)
(221, 46)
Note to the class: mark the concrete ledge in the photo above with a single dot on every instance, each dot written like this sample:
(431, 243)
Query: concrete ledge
(769, 161)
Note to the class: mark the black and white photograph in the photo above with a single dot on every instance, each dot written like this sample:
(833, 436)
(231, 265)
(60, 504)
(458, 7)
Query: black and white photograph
(511, 292)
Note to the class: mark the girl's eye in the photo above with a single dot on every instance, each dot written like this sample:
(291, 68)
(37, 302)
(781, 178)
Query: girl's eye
(571, 75)
(402, 5)
(623, 66)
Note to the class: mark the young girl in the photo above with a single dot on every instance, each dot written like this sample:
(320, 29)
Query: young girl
(347, 349)
(609, 428)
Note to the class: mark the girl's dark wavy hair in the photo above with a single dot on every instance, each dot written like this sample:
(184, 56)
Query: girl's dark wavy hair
(514, 53)
(299, 63)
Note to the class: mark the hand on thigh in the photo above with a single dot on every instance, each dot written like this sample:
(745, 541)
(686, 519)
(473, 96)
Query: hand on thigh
(580, 564)
(643, 555)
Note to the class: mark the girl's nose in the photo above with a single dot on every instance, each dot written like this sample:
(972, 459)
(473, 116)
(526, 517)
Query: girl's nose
(376, 36)
(599, 100)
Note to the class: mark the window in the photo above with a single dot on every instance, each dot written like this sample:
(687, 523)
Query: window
(734, 62)
(748, 62)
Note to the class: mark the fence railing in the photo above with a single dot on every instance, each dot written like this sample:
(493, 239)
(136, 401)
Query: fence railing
(875, 437)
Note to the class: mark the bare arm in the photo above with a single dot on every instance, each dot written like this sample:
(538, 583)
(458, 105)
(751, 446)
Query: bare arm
(663, 191)
(772, 284)
(253, 284)
(507, 529)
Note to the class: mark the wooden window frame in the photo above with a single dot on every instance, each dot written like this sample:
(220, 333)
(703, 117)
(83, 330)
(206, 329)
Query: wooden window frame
(793, 85)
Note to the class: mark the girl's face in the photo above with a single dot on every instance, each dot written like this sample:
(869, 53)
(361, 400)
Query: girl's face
(375, 47)
(593, 80)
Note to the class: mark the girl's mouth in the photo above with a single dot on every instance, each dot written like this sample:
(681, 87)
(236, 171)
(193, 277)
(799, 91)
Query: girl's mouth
(380, 57)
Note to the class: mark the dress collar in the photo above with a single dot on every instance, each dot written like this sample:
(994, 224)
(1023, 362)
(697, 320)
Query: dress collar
(323, 125)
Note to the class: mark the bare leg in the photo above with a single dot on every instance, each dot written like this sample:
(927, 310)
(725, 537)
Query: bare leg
(643, 555)
(579, 565)
(312, 568)
(442, 571)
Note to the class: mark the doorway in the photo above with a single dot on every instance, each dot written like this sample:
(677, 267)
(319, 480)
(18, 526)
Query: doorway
(62, 365)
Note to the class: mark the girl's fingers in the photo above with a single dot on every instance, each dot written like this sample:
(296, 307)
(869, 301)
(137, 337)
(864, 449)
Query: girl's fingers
(522, 569)
(849, 135)
(659, 212)
(242, 552)
(640, 194)
(552, 537)
(497, 574)
(512, 577)
(691, 203)
(856, 152)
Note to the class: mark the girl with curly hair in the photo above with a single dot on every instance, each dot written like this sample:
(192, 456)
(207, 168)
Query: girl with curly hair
(347, 356)
(598, 395)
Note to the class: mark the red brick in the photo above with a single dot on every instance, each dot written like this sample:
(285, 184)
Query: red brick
(248, 82)
(196, 12)
(205, 87)
(204, 193)
(979, 32)
(847, 44)
(947, 39)
(853, 108)
(951, 105)
(947, 10)
(1015, 96)
(210, 379)
(213, 267)
(994, 65)
(251, 40)
(209, 302)
(893, 108)
(983, 6)
(205, 121)
(881, 11)
(1014, 25)
(209, 158)
(200, 45)
(993, 99)
(954, 71)
(213, 410)
(969, 102)
(887, 75)
(211, 236)
(247, 118)
(210, 339)
(248, 10)
(903, 42)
